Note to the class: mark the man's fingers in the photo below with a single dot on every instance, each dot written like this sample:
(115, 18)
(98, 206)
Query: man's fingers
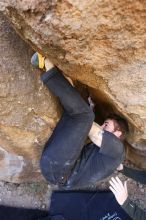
(125, 187)
(113, 190)
(115, 184)
(119, 182)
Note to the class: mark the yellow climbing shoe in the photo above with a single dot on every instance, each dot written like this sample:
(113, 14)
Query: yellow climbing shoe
(38, 60)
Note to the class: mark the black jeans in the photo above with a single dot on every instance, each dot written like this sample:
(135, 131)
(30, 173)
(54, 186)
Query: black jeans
(64, 147)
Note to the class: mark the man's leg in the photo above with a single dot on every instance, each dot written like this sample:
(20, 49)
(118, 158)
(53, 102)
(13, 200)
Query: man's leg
(64, 146)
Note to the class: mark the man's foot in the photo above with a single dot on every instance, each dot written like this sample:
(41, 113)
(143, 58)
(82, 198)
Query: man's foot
(41, 62)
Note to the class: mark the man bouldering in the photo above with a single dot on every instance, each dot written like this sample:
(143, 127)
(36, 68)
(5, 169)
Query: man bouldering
(65, 161)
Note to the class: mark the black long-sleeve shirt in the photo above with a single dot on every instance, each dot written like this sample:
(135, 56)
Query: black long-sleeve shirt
(133, 210)
(129, 207)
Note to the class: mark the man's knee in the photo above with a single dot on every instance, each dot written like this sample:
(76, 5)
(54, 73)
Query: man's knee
(50, 170)
(47, 170)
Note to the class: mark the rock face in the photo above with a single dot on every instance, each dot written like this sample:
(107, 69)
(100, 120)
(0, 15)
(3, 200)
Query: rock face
(28, 111)
(100, 43)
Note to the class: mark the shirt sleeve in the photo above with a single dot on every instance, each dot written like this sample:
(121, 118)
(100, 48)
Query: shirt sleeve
(111, 146)
(133, 210)
(137, 175)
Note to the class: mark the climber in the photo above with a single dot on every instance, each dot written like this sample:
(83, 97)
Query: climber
(121, 194)
(65, 161)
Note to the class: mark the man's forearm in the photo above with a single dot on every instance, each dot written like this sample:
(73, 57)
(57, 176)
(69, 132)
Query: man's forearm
(95, 134)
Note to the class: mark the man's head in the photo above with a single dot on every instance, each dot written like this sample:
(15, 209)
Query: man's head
(116, 125)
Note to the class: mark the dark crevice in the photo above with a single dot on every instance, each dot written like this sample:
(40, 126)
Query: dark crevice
(103, 107)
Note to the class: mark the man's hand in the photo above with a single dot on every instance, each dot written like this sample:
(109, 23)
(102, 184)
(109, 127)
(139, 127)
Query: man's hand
(120, 167)
(119, 190)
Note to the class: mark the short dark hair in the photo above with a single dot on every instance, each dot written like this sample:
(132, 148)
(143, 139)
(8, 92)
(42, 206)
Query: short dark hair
(121, 125)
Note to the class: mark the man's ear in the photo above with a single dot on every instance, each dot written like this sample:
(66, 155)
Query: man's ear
(118, 133)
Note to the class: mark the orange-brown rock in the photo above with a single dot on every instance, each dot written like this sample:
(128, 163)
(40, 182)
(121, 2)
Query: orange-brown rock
(28, 111)
(100, 43)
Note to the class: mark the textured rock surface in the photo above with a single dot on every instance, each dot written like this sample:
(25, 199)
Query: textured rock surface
(28, 112)
(100, 43)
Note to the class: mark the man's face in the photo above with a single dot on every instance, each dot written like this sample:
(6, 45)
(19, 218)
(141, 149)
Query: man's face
(108, 125)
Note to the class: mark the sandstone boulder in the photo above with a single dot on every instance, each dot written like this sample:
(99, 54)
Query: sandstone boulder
(100, 43)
